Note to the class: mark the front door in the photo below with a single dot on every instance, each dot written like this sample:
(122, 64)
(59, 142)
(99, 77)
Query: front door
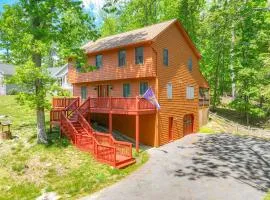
(103, 90)
(188, 124)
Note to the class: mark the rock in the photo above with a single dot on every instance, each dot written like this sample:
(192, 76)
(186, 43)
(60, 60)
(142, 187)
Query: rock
(48, 196)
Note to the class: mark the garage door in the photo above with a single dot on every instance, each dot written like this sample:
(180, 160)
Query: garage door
(188, 124)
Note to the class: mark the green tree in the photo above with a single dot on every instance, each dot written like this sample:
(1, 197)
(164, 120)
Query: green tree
(32, 27)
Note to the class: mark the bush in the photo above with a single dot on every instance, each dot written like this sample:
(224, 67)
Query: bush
(13, 91)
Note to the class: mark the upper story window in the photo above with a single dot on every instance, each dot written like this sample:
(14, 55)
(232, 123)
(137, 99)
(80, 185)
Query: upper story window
(121, 58)
(98, 61)
(83, 92)
(139, 55)
(165, 57)
(143, 87)
(190, 92)
(169, 90)
(190, 64)
(126, 90)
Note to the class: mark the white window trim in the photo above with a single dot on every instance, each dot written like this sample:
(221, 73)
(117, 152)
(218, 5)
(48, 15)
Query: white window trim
(189, 93)
(169, 96)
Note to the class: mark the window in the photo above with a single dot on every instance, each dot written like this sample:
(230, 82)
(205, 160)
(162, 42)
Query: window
(165, 57)
(126, 90)
(139, 55)
(98, 61)
(143, 87)
(190, 92)
(190, 64)
(169, 90)
(83, 92)
(121, 58)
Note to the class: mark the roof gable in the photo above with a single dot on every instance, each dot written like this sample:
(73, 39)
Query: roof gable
(7, 69)
(145, 34)
(137, 36)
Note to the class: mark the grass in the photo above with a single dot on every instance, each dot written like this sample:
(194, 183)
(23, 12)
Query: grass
(207, 130)
(239, 117)
(28, 169)
(267, 197)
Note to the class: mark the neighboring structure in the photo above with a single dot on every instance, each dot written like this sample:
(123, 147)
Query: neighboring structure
(160, 56)
(61, 75)
(6, 70)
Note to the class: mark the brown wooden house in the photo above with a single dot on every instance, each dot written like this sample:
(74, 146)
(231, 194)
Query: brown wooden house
(160, 56)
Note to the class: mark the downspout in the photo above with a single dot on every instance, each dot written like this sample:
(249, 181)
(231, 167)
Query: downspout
(157, 96)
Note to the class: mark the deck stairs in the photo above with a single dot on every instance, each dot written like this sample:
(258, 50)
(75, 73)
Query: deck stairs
(74, 124)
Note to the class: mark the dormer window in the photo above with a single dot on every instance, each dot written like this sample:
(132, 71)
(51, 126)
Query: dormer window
(98, 61)
(165, 57)
(139, 55)
(190, 64)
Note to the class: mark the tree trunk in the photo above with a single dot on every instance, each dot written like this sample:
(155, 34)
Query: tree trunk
(216, 83)
(41, 130)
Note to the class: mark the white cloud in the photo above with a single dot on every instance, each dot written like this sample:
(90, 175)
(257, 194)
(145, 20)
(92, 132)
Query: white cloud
(94, 6)
(96, 3)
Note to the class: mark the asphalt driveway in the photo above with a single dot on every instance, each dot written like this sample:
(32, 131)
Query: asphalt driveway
(203, 167)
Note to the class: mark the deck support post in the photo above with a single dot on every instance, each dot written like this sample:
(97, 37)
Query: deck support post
(110, 123)
(137, 133)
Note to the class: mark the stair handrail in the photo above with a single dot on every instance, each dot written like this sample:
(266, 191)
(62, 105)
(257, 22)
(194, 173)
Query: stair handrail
(64, 118)
(87, 103)
(72, 107)
(96, 143)
(84, 123)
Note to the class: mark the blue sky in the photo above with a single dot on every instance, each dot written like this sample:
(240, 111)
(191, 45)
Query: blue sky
(2, 2)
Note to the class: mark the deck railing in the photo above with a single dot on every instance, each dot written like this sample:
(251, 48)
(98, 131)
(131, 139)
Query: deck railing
(121, 103)
(63, 102)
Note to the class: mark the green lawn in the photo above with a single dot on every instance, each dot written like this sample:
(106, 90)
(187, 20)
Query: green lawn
(27, 169)
(267, 197)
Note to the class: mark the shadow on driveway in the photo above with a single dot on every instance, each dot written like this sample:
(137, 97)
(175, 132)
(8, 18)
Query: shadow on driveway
(246, 159)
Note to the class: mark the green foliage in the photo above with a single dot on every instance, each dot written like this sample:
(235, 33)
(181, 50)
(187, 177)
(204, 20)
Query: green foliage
(109, 27)
(84, 68)
(34, 31)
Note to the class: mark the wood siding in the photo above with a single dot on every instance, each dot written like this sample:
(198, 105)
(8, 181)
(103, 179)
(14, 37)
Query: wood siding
(178, 74)
(110, 69)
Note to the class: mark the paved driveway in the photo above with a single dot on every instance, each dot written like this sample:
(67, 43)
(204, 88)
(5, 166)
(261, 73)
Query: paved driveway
(203, 167)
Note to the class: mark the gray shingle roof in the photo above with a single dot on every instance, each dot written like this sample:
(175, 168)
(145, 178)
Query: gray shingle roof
(53, 70)
(131, 37)
(7, 69)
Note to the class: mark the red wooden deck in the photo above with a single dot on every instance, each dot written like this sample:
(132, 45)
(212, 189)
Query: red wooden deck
(70, 116)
